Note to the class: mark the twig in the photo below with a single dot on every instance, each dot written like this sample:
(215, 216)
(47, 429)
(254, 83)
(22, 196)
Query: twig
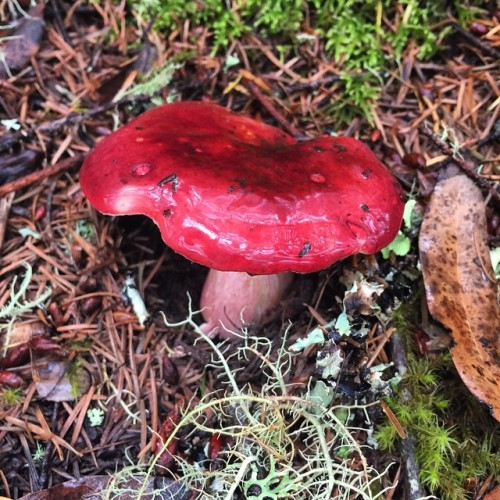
(257, 94)
(59, 22)
(10, 140)
(33, 472)
(486, 48)
(493, 136)
(446, 149)
(312, 85)
(39, 175)
(413, 486)
(414, 489)
(380, 346)
(43, 479)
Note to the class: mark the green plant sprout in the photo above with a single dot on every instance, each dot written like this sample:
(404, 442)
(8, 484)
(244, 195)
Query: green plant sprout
(401, 244)
(39, 453)
(11, 396)
(154, 82)
(86, 229)
(15, 308)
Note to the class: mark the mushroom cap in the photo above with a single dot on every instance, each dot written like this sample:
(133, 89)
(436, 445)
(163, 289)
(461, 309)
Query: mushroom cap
(234, 194)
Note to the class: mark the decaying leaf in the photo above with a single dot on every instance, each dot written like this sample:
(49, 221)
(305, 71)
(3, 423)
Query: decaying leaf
(460, 286)
(97, 487)
(55, 383)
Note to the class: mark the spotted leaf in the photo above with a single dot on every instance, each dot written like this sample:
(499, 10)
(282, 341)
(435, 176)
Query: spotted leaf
(460, 285)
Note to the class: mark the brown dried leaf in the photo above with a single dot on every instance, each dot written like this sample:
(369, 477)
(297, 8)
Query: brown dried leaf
(459, 284)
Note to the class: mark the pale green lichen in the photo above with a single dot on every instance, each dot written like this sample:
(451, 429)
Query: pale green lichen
(18, 305)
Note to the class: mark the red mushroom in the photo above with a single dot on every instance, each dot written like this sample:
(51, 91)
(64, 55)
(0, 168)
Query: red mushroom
(235, 194)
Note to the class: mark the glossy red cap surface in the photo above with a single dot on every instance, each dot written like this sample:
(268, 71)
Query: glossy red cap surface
(235, 194)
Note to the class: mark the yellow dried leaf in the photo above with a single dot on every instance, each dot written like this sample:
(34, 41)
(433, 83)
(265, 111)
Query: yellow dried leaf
(459, 284)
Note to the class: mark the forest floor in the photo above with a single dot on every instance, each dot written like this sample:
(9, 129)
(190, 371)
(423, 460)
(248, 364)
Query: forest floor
(92, 398)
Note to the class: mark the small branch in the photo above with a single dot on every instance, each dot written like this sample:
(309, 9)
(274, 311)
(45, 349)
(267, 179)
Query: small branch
(486, 48)
(493, 136)
(39, 175)
(313, 85)
(10, 140)
(43, 479)
(413, 487)
(464, 166)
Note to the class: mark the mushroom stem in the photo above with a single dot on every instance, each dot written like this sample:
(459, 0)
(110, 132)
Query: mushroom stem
(230, 300)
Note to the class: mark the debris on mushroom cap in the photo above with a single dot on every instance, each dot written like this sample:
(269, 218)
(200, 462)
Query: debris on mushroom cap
(235, 194)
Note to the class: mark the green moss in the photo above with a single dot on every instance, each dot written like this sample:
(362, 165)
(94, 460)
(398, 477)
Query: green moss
(455, 436)
(364, 38)
(74, 371)
(11, 396)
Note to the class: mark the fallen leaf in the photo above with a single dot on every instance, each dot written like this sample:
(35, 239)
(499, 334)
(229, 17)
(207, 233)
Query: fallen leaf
(54, 382)
(93, 487)
(23, 43)
(460, 286)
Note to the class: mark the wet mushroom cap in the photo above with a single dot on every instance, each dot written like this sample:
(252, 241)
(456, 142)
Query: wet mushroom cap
(235, 194)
